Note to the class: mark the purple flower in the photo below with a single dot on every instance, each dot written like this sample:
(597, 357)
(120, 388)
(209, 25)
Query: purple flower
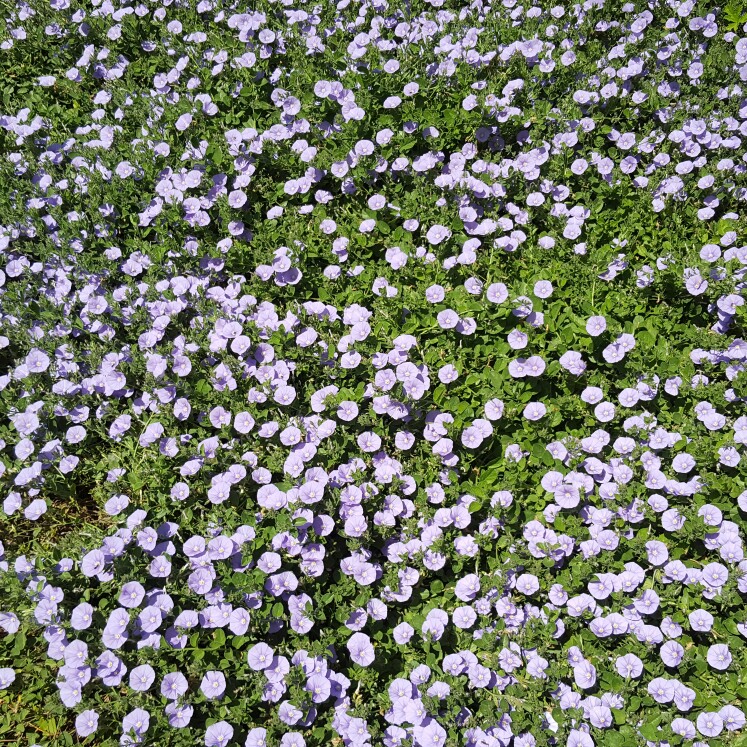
(592, 395)
(657, 552)
(464, 617)
(435, 624)
(292, 739)
(402, 633)
(7, 677)
(179, 715)
(132, 594)
(527, 584)
(447, 374)
(684, 728)
(494, 409)
(269, 562)
(236, 198)
(239, 621)
(694, 282)
(213, 685)
(471, 437)
(701, 620)
(404, 440)
(719, 656)
(86, 723)
(136, 722)
(437, 233)
(319, 687)
(37, 361)
(732, 717)
(289, 714)
(281, 583)
(200, 581)
(497, 293)
(672, 653)
(243, 422)
(369, 441)
(595, 325)
(577, 738)
(429, 732)
(256, 737)
(535, 411)
(110, 668)
(435, 294)
(347, 411)
(629, 665)
(174, 685)
(543, 289)
(219, 417)
(573, 362)
(714, 575)
(180, 491)
(710, 724)
(361, 649)
(218, 734)
(116, 504)
(579, 166)
(600, 716)
(150, 619)
(260, 656)
(92, 563)
(661, 690)
(467, 588)
(534, 366)
(683, 697)
(183, 122)
(585, 675)
(517, 339)
(82, 616)
(672, 520)
(447, 319)
(70, 693)
(142, 677)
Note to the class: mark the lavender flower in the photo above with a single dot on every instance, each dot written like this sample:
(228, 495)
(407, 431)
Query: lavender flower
(213, 685)
(361, 649)
(86, 723)
(710, 724)
(174, 685)
(719, 656)
(7, 677)
(218, 734)
(260, 656)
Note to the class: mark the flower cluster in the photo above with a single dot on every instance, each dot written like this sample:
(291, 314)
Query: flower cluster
(373, 373)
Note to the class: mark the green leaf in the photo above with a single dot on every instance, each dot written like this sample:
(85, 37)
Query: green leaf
(650, 730)
(19, 643)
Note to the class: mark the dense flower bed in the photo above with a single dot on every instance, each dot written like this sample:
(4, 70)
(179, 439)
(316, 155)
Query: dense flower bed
(373, 373)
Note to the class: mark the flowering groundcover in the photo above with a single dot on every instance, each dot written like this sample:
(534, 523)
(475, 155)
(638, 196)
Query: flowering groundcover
(373, 373)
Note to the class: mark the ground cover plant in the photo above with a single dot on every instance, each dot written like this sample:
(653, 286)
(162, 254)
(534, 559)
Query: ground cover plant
(373, 373)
